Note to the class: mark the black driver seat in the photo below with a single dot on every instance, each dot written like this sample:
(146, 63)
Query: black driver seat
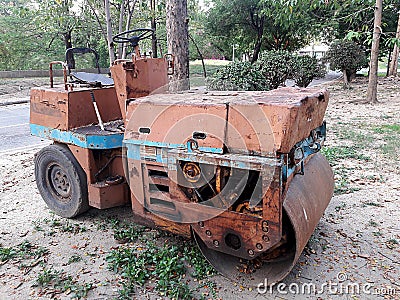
(85, 77)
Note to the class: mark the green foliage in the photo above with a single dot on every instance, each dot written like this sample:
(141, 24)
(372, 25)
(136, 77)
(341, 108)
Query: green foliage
(51, 278)
(126, 232)
(269, 72)
(245, 23)
(305, 69)
(201, 268)
(346, 56)
(390, 134)
(166, 265)
(74, 259)
(333, 154)
(242, 76)
(58, 225)
(275, 66)
(25, 250)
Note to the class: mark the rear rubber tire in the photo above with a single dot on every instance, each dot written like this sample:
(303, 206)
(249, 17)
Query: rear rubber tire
(61, 181)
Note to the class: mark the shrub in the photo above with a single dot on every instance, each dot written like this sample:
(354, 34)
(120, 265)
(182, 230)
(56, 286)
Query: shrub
(305, 69)
(242, 76)
(275, 66)
(346, 56)
(269, 72)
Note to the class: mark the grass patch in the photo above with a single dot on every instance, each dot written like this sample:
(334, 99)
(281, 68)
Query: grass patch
(167, 266)
(74, 259)
(392, 129)
(137, 266)
(25, 250)
(342, 183)
(360, 139)
(201, 269)
(372, 223)
(54, 224)
(392, 243)
(333, 154)
(125, 232)
(54, 281)
(365, 204)
(196, 68)
(391, 137)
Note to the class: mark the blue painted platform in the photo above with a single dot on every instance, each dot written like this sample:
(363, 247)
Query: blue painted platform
(89, 137)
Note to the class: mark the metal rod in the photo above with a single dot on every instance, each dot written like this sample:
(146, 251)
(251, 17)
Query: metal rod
(97, 111)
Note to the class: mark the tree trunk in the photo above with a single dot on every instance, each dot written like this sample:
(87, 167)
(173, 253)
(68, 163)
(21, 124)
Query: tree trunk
(373, 65)
(109, 31)
(120, 25)
(178, 42)
(131, 9)
(67, 37)
(260, 34)
(395, 54)
(154, 27)
(256, 51)
(345, 78)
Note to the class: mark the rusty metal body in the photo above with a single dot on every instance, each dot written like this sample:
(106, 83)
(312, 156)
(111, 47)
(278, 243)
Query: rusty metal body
(239, 171)
(254, 189)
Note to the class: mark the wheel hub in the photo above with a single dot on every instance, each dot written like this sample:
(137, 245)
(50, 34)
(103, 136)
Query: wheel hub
(59, 182)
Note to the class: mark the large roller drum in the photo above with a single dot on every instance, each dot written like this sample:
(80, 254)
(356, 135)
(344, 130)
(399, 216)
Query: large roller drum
(306, 200)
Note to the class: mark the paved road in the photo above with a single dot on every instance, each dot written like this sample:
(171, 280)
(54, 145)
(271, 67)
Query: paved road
(331, 76)
(14, 129)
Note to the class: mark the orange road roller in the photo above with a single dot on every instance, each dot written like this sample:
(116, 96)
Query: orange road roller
(239, 172)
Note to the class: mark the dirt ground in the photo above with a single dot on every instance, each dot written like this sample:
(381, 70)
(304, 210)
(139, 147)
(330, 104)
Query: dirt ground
(356, 244)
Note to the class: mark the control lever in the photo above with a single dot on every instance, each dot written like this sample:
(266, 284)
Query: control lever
(97, 111)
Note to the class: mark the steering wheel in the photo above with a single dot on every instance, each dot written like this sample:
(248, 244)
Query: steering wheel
(142, 33)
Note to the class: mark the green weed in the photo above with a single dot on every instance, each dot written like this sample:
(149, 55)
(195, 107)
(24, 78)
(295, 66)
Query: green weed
(24, 251)
(37, 225)
(51, 278)
(391, 138)
(333, 154)
(60, 225)
(342, 184)
(392, 243)
(393, 128)
(361, 140)
(128, 233)
(370, 203)
(340, 207)
(165, 265)
(372, 223)
(74, 259)
(7, 253)
(201, 268)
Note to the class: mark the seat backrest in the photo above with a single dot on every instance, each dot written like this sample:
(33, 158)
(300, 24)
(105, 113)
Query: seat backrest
(70, 60)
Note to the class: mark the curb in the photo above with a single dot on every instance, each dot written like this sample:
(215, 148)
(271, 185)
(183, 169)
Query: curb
(26, 100)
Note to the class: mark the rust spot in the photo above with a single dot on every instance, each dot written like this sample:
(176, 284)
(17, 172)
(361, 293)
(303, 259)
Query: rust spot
(133, 135)
(46, 109)
(305, 99)
(134, 172)
(310, 111)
